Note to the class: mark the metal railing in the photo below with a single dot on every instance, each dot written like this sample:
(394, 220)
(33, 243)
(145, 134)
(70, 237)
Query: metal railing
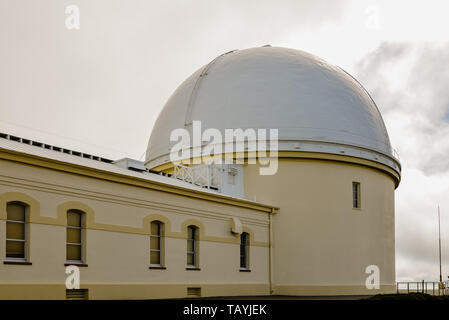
(203, 175)
(427, 287)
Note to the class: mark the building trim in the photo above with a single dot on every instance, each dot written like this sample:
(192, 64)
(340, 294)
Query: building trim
(330, 290)
(76, 264)
(168, 167)
(91, 224)
(39, 291)
(20, 263)
(126, 290)
(77, 169)
(342, 158)
(114, 199)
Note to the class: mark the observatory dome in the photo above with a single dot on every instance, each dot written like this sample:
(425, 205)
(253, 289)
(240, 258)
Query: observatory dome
(316, 106)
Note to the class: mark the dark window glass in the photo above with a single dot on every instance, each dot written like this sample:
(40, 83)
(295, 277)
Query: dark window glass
(191, 246)
(244, 250)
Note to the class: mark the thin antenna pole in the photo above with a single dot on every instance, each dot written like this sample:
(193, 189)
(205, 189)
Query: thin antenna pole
(439, 242)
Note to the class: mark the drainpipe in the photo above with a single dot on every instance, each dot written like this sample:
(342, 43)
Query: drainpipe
(270, 253)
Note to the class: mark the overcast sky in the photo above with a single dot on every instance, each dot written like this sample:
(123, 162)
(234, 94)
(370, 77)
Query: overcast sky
(99, 89)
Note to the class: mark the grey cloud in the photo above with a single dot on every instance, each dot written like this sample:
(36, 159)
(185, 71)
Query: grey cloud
(369, 69)
(417, 235)
(386, 53)
(431, 78)
(423, 98)
(418, 238)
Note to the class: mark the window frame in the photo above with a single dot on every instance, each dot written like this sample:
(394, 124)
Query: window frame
(25, 232)
(160, 237)
(246, 246)
(81, 244)
(356, 195)
(194, 253)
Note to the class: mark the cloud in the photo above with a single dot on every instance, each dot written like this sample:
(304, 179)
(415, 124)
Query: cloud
(99, 89)
(409, 84)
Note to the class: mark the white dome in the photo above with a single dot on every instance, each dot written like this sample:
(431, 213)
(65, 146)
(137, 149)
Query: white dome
(316, 106)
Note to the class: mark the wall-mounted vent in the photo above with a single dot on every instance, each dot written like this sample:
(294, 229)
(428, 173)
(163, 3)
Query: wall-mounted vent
(54, 148)
(194, 292)
(37, 144)
(77, 294)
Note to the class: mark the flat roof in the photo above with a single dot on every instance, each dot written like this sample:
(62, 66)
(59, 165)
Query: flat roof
(41, 152)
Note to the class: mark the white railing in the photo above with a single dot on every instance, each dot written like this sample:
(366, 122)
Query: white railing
(202, 175)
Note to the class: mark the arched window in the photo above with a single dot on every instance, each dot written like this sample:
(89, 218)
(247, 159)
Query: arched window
(156, 244)
(75, 234)
(16, 231)
(244, 251)
(192, 247)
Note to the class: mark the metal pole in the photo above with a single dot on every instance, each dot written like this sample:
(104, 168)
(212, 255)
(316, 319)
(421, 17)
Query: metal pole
(439, 243)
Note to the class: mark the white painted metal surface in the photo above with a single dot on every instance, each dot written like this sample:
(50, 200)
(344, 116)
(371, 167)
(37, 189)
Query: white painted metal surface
(130, 164)
(203, 175)
(316, 106)
(224, 178)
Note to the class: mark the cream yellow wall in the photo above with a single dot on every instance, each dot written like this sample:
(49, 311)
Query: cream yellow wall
(321, 244)
(117, 239)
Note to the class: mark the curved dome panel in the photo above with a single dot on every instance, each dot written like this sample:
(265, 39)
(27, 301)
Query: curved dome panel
(315, 106)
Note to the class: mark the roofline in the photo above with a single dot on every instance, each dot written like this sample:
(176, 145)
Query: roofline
(344, 158)
(62, 166)
(295, 145)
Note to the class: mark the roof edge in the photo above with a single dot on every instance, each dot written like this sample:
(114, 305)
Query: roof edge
(57, 165)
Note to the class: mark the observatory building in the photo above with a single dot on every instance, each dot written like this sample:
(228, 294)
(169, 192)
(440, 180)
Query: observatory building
(321, 224)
